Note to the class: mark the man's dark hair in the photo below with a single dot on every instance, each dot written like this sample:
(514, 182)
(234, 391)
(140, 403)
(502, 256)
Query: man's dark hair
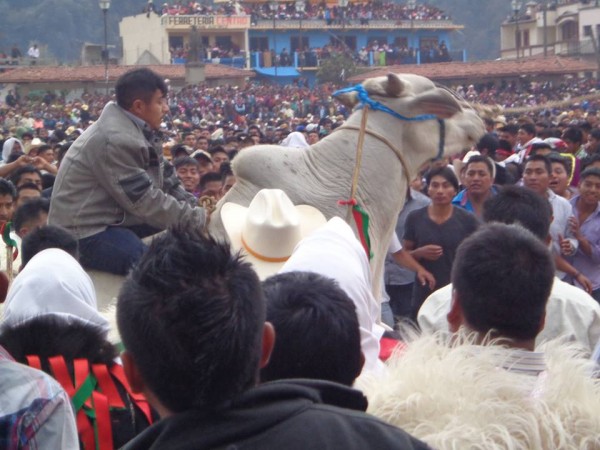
(503, 276)
(191, 314)
(17, 174)
(595, 157)
(542, 158)
(510, 128)
(185, 161)
(7, 188)
(573, 134)
(138, 84)
(444, 172)
(481, 159)
(488, 142)
(528, 128)
(591, 172)
(555, 157)
(30, 210)
(207, 178)
(316, 328)
(28, 185)
(48, 236)
(522, 206)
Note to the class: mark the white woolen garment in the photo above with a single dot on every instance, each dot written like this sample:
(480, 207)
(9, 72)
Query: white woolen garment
(333, 251)
(52, 284)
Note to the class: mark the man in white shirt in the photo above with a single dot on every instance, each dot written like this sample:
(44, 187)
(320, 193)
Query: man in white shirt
(33, 53)
(570, 312)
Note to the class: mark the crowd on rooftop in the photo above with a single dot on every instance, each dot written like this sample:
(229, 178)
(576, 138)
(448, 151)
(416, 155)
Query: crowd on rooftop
(360, 13)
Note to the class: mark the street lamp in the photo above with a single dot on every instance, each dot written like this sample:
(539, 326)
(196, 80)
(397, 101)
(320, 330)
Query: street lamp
(516, 7)
(105, 6)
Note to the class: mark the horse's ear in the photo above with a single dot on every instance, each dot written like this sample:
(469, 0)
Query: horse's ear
(348, 99)
(438, 102)
(394, 85)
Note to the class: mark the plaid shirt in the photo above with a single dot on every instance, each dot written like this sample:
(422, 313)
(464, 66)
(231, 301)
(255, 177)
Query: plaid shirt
(35, 412)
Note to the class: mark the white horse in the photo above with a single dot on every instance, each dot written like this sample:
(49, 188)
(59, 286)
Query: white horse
(410, 121)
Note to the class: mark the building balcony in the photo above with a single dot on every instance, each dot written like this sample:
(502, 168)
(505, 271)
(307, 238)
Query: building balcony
(319, 24)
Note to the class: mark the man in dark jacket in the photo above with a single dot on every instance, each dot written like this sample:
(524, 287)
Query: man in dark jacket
(192, 318)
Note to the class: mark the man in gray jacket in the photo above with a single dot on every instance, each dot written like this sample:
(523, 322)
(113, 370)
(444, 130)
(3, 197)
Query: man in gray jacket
(114, 186)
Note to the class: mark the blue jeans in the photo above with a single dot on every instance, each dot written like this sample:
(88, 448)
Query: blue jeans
(114, 250)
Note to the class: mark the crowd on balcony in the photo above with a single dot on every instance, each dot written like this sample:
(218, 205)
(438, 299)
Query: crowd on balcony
(354, 12)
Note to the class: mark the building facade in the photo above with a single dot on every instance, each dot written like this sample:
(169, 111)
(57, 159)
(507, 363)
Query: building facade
(565, 28)
(284, 45)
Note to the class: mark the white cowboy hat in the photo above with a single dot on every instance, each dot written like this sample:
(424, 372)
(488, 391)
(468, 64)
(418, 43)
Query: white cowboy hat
(268, 230)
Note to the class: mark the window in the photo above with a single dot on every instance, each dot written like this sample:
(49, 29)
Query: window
(401, 42)
(569, 31)
(587, 31)
(176, 42)
(259, 44)
(223, 42)
(299, 43)
(526, 38)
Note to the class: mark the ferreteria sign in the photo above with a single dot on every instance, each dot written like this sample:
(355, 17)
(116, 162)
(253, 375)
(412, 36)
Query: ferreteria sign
(206, 22)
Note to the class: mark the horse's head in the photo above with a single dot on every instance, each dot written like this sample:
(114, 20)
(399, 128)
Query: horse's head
(417, 102)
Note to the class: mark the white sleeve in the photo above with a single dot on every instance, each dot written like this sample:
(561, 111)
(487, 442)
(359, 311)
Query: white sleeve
(395, 245)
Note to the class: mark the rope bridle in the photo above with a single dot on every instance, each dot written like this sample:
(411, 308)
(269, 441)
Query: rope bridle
(366, 103)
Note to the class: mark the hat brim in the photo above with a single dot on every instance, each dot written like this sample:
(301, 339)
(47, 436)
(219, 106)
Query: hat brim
(234, 219)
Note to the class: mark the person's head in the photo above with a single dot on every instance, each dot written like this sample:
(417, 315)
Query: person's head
(143, 93)
(312, 137)
(25, 193)
(591, 161)
(188, 173)
(501, 277)
(561, 174)
(589, 186)
(192, 318)
(202, 143)
(30, 216)
(526, 133)
(541, 148)
(536, 174)
(210, 184)
(46, 152)
(573, 137)
(509, 134)
(48, 236)
(594, 140)
(479, 175)
(188, 139)
(522, 206)
(442, 185)
(8, 195)
(228, 179)
(317, 329)
(26, 174)
(487, 145)
(219, 156)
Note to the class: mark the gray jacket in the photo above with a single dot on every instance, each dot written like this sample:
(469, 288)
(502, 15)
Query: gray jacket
(113, 175)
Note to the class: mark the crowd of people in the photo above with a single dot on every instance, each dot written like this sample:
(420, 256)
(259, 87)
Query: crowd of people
(500, 246)
(358, 13)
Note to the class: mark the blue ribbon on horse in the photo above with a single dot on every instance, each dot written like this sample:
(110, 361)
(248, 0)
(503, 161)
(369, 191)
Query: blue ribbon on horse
(364, 98)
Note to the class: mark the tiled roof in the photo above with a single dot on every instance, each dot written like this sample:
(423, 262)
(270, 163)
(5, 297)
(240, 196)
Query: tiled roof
(533, 66)
(33, 74)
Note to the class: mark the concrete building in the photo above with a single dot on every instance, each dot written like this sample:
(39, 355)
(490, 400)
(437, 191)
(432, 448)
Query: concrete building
(564, 27)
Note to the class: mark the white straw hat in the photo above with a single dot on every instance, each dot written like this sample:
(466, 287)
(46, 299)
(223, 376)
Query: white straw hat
(268, 230)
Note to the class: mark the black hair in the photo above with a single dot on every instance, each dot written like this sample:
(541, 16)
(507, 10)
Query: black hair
(208, 177)
(28, 185)
(516, 204)
(138, 84)
(15, 177)
(30, 210)
(48, 236)
(7, 188)
(489, 142)
(444, 172)
(555, 157)
(185, 161)
(591, 159)
(503, 275)
(573, 134)
(542, 158)
(481, 159)
(591, 172)
(510, 128)
(191, 315)
(529, 128)
(316, 328)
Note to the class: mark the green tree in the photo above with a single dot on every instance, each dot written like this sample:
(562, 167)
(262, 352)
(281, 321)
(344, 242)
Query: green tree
(336, 69)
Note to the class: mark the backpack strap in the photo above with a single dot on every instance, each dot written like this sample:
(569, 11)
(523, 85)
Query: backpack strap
(139, 399)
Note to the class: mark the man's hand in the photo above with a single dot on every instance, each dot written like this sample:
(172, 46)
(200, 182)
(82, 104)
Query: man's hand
(426, 278)
(574, 227)
(429, 252)
(566, 248)
(584, 281)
